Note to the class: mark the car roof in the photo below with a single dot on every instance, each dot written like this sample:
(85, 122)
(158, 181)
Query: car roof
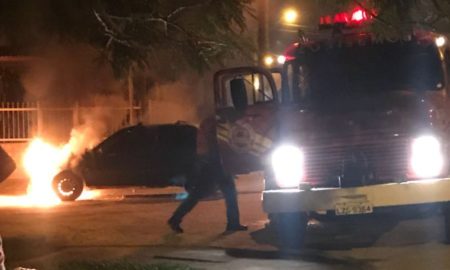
(157, 127)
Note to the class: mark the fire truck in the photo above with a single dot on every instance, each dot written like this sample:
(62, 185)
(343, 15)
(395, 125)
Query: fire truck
(359, 126)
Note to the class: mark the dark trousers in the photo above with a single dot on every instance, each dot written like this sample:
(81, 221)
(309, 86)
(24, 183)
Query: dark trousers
(226, 185)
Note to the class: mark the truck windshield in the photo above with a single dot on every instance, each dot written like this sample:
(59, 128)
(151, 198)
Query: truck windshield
(328, 74)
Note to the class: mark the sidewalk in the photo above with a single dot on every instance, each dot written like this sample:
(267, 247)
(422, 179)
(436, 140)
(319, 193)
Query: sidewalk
(199, 258)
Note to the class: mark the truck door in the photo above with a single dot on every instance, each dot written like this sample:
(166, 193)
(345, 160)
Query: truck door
(246, 105)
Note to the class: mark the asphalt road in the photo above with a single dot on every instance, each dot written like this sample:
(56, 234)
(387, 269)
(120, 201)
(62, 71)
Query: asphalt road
(134, 229)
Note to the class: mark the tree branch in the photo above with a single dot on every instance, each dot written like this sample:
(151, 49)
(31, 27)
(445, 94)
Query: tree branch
(440, 12)
(114, 33)
(437, 6)
(180, 9)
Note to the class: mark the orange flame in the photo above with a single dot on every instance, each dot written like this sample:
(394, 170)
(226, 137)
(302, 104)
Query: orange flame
(42, 161)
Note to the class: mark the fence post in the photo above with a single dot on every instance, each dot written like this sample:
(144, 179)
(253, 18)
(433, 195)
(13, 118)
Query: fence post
(40, 118)
(139, 112)
(131, 95)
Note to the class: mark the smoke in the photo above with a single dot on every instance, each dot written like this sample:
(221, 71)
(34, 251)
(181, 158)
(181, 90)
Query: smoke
(81, 101)
(189, 99)
(107, 115)
(66, 73)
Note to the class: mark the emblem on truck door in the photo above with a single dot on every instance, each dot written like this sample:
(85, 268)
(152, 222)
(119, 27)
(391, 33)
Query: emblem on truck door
(241, 137)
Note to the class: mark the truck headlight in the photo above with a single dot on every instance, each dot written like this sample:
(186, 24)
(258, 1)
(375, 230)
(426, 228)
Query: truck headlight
(427, 159)
(287, 164)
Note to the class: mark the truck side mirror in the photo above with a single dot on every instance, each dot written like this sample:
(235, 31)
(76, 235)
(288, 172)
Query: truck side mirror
(239, 94)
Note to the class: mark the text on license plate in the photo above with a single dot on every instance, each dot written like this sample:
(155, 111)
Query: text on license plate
(353, 208)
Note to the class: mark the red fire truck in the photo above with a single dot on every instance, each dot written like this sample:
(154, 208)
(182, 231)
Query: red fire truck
(359, 126)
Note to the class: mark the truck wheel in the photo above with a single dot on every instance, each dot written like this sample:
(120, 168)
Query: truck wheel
(446, 213)
(67, 185)
(290, 229)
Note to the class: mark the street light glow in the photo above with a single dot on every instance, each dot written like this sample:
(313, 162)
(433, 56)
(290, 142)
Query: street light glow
(440, 41)
(268, 60)
(290, 16)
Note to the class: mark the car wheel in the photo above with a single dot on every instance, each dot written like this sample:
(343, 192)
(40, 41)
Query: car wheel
(290, 229)
(67, 185)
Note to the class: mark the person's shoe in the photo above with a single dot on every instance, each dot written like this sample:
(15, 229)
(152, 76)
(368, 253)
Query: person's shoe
(175, 226)
(236, 227)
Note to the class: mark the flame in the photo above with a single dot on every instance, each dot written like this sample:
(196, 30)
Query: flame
(42, 161)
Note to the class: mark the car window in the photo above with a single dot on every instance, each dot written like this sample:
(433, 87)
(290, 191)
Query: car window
(121, 142)
(148, 142)
(175, 136)
(177, 140)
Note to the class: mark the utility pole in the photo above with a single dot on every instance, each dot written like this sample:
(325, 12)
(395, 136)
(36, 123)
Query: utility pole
(263, 30)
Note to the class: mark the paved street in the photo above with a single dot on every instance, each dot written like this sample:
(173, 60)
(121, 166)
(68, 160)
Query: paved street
(134, 229)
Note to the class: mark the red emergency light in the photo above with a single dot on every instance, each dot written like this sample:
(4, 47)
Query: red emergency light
(341, 18)
(357, 16)
(289, 53)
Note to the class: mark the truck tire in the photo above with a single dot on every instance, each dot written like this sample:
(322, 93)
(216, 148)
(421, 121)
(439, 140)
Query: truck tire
(67, 185)
(290, 229)
(446, 213)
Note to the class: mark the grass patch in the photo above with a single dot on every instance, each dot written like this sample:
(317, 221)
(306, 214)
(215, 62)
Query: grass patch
(122, 266)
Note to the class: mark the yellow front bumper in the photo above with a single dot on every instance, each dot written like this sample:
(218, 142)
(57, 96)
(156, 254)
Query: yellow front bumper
(384, 195)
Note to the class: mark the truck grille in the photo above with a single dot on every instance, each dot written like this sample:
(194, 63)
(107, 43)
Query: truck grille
(386, 154)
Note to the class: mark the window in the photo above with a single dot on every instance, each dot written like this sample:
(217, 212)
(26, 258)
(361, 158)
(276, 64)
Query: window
(123, 141)
(277, 77)
(345, 78)
(297, 85)
(257, 87)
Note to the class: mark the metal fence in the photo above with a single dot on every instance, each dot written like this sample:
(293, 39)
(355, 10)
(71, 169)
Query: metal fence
(22, 121)
(18, 121)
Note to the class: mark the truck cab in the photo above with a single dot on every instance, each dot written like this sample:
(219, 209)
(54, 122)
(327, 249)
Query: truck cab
(359, 125)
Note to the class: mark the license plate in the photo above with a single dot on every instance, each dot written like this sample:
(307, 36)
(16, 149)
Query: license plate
(353, 208)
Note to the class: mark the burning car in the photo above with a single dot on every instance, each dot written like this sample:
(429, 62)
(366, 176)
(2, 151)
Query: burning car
(150, 156)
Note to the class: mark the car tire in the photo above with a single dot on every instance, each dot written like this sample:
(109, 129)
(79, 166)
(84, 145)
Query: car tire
(446, 213)
(290, 229)
(67, 185)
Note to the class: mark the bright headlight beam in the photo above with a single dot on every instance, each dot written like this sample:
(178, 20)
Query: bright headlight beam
(287, 163)
(427, 160)
(281, 59)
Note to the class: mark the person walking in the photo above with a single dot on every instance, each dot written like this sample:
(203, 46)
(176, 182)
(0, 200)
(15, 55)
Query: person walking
(206, 176)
